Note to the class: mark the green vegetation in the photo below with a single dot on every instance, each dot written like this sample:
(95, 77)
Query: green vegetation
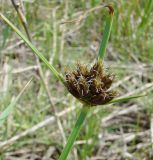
(66, 32)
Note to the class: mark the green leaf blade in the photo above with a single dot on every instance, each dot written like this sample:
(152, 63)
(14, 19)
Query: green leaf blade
(11, 106)
(118, 100)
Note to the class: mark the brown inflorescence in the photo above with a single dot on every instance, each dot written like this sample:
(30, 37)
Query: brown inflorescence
(90, 85)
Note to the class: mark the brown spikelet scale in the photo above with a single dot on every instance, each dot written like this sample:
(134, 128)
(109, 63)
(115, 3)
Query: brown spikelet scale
(90, 85)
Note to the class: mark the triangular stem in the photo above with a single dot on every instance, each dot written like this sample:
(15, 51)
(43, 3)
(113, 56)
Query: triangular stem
(74, 133)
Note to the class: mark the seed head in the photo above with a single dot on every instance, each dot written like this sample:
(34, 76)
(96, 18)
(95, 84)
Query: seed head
(90, 85)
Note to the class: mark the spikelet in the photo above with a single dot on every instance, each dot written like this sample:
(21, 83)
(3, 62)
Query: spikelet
(90, 85)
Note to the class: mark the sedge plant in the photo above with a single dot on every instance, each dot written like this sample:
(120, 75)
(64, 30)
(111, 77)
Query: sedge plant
(91, 86)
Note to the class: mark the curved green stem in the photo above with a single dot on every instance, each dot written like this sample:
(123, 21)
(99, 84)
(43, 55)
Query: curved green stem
(106, 34)
(74, 133)
(34, 49)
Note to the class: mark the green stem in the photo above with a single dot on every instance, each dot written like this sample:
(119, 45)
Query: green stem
(106, 35)
(39, 54)
(74, 133)
(147, 12)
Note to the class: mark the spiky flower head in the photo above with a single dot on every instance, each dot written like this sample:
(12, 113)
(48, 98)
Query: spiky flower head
(90, 85)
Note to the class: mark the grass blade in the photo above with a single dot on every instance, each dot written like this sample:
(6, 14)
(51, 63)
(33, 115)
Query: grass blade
(147, 13)
(10, 107)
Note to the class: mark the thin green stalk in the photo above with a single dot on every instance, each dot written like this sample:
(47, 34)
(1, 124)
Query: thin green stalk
(123, 99)
(39, 54)
(11, 106)
(74, 133)
(106, 34)
(79, 123)
(147, 13)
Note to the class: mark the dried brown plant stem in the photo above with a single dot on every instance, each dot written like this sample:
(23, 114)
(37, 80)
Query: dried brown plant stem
(17, 6)
(54, 50)
(63, 32)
